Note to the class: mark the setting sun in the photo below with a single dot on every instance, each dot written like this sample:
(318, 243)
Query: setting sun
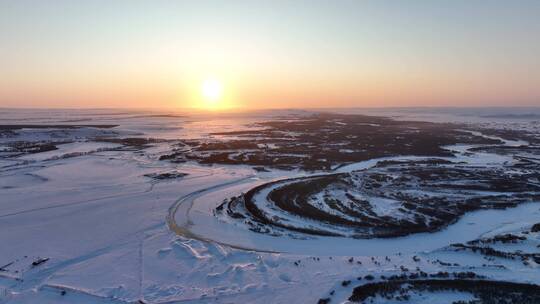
(212, 91)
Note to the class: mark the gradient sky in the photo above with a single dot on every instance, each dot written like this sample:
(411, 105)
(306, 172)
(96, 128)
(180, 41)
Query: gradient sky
(270, 54)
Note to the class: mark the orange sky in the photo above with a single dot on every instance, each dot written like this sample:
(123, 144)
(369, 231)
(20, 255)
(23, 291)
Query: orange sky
(304, 54)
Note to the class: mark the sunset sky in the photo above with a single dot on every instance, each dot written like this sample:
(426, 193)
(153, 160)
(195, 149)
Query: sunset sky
(269, 54)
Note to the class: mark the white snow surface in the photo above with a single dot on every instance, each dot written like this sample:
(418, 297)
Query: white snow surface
(104, 226)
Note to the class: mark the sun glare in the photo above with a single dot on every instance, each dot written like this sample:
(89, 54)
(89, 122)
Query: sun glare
(212, 91)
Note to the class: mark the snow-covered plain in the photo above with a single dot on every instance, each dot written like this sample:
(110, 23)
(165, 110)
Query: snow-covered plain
(100, 230)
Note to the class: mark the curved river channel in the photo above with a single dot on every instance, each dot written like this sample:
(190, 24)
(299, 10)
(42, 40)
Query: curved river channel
(192, 216)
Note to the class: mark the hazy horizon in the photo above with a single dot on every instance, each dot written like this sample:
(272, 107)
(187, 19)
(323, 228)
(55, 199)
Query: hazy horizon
(267, 55)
